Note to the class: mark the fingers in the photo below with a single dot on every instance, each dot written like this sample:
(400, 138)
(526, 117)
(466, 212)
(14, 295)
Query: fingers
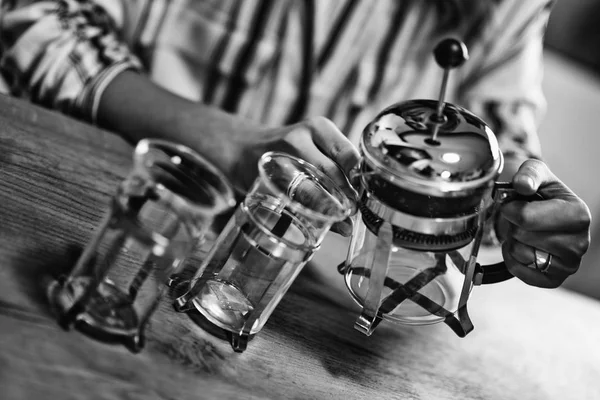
(317, 197)
(560, 210)
(324, 146)
(520, 261)
(558, 224)
(569, 247)
(567, 250)
(525, 255)
(334, 144)
(308, 151)
(301, 141)
(532, 175)
(567, 214)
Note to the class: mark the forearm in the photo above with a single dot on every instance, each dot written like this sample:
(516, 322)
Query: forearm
(136, 108)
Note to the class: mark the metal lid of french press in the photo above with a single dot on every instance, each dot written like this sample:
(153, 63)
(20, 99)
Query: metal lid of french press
(431, 147)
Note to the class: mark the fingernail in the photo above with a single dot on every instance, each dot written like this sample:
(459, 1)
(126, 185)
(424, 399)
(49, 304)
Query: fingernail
(525, 181)
(530, 182)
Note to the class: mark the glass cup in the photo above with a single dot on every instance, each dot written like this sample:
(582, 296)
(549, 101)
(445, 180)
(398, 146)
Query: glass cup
(159, 213)
(273, 233)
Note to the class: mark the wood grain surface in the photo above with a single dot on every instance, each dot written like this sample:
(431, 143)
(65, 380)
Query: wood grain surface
(56, 176)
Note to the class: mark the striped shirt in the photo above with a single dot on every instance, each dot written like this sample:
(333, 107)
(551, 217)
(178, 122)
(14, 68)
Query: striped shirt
(277, 61)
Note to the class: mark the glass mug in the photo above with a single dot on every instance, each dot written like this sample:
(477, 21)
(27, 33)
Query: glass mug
(160, 212)
(273, 233)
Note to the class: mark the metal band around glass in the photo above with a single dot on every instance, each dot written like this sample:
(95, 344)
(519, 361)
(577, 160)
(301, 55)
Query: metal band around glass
(428, 226)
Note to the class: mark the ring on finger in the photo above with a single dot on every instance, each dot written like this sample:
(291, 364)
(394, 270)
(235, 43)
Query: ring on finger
(542, 260)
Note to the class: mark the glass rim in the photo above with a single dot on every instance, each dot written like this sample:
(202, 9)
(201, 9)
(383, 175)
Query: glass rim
(226, 191)
(313, 173)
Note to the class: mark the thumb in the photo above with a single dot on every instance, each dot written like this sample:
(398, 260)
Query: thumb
(532, 175)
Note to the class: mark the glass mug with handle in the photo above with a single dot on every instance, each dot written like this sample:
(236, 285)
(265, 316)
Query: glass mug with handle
(272, 235)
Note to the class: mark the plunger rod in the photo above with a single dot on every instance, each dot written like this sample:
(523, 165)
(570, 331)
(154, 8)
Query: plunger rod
(449, 53)
(440, 107)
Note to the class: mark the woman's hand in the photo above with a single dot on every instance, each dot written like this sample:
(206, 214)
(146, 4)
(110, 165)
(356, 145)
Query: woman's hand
(316, 140)
(558, 225)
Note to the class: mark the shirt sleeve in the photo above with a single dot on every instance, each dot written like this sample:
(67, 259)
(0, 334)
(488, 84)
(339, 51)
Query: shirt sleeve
(62, 54)
(505, 85)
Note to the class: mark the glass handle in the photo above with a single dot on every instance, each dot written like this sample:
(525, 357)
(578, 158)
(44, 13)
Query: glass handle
(492, 273)
(503, 193)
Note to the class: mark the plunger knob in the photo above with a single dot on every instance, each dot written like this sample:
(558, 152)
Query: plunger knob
(450, 53)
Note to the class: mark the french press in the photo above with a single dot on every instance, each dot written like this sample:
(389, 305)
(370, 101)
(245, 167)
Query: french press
(157, 216)
(426, 185)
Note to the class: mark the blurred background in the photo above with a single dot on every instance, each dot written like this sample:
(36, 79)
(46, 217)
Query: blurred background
(570, 132)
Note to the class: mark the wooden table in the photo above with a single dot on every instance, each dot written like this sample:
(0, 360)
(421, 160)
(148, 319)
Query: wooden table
(56, 176)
